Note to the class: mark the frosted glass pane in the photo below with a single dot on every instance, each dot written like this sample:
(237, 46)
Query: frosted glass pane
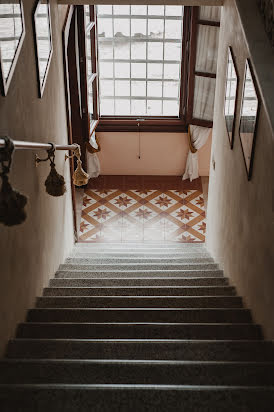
(121, 9)
(121, 51)
(107, 87)
(121, 27)
(138, 70)
(138, 107)
(106, 69)
(139, 10)
(122, 69)
(156, 28)
(154, 107)
(155, 51)
(106, 107)
(104, 27)
(138, 51)
(154, 89)
(173, 29)
(173, 51)
(104, 9)
(155, 70)
(156, 10)
(138, 88)
(138, 28)
(122, 88)
(170, 108)
(105, 50)
(171, 71)
(122, 107)
(171, 89)
(174, 10)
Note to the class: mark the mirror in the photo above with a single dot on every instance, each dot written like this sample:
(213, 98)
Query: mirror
(249, 117)
(231, 92)
(12, 33)
(42, 26)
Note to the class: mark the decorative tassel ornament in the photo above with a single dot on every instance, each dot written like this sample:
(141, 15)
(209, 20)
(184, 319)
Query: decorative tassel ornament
(80, 177)
(55, 183)
(12, 203)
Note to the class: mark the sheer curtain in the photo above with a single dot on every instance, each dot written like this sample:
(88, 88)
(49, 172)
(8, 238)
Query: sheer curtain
(197, 138)
(93, 162)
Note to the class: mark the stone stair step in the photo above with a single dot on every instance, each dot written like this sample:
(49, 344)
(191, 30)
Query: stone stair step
(137, 260)
(115, 267)
(150, 349)
(139, 330)
(122, 398)
(141, 281)
(139, 254)
(28, 371)
(141, 291)
(140, 315)
(137, 273)
(139, 302)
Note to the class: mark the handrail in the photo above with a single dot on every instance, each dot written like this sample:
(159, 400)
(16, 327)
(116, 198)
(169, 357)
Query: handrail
(19, 144)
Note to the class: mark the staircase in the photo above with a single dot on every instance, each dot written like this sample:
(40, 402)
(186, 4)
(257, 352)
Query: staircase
(138, 327)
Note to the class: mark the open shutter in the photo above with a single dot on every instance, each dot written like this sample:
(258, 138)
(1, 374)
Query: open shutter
(86, 19)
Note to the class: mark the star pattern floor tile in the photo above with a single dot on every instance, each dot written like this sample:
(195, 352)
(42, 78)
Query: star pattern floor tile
(145, 215)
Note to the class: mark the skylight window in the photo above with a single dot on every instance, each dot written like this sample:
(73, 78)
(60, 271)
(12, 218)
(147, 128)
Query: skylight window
(139, 54)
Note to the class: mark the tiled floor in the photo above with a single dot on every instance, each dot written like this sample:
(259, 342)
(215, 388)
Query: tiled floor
(143, 215)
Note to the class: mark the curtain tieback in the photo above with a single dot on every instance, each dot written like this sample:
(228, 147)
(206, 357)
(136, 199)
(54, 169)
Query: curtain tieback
(191, 147)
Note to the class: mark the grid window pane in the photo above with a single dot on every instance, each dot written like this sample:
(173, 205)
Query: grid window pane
(139, 53)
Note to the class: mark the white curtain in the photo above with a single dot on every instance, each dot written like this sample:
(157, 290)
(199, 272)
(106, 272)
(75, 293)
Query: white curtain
(198, 136)
(93, 162)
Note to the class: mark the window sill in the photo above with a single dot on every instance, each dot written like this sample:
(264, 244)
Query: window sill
(124, 124)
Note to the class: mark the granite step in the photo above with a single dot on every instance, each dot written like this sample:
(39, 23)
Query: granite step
(139, 302)
(144, 372)
(115, 267)
(140, 315)
(137, 260)
(122, 398)
(138, 330)
(137, 273)
(139, 281)
(141, 291)
(150, 349)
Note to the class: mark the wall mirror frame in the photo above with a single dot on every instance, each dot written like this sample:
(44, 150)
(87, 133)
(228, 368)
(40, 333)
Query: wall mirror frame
(231, 96)
(11, 19)
(43, 42)
(250, 110)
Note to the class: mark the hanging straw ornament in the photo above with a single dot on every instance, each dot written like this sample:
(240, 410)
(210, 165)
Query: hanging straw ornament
(12, 203)
(55, 183)
(79, 177)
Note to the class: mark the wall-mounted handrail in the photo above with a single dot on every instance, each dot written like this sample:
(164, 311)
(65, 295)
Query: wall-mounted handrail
(19, 144)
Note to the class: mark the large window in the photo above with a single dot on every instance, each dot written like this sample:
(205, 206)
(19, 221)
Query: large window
(139, 53)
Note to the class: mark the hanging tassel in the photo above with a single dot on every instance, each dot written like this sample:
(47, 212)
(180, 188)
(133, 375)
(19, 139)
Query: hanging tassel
(12, 203)
(79, 177)
(55, 183)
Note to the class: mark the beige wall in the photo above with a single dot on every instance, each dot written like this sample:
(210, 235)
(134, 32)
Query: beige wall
(161, 154)
(31, 253)
(240, 234)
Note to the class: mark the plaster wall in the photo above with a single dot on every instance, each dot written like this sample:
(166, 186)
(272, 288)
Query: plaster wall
(161, 154)
(31, 253)
(239, 216)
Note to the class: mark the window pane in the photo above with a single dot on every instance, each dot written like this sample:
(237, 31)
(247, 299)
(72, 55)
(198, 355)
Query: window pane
(121, 69)
(154, 89)
(106, 70)
(138, 51)
(121, 51)
(106, 107)
(211, 13)
(170, 108)
(207, 49)
(104, 9)
(138, 88)
(140, 40)
(173, 29)
(122, 88)
(155, 70)
(173, 51)
(204, 92)
(138, 28)
(122, 107)
(138, 70)
(154, 107)
(155, 51)
(171, 89)
(107, 87)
